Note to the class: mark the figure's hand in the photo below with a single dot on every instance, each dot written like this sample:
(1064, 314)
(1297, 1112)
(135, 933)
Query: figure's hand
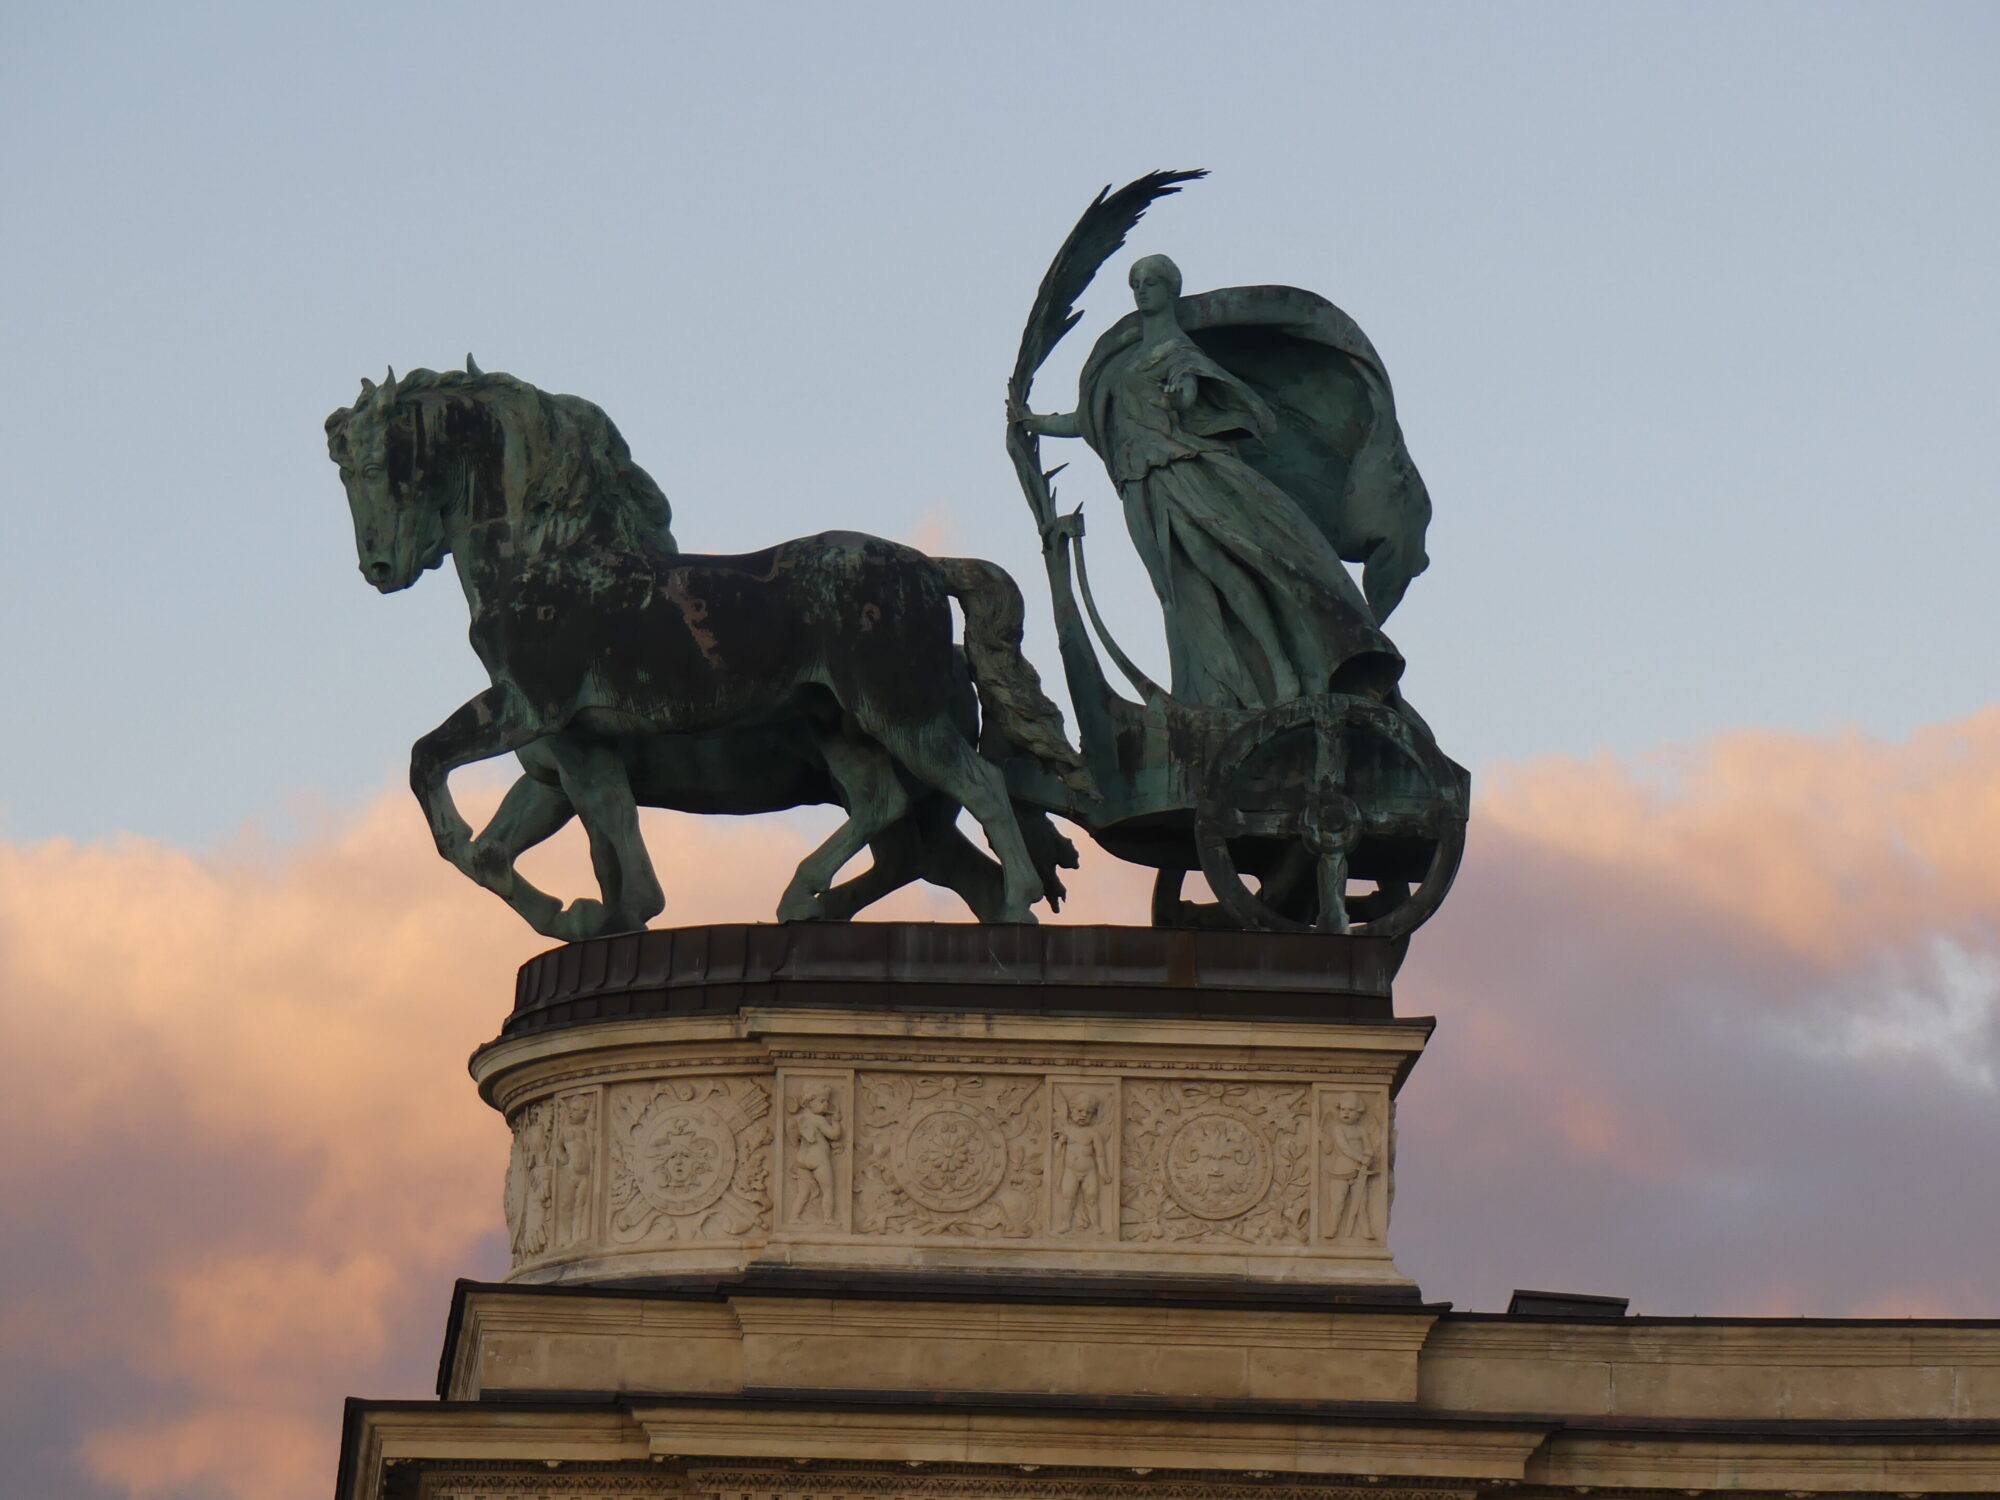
(1019, 416)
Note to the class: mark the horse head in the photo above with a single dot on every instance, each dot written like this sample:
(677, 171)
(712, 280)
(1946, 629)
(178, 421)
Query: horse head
(399, 531)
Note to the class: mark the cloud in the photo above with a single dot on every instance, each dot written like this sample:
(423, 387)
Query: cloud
(1718, 1030)
(249, 1155)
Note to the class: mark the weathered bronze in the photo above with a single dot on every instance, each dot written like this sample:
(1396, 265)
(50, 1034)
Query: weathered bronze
(624, 670)
(1253, 440)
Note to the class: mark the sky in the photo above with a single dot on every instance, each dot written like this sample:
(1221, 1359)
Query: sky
(1692, 325)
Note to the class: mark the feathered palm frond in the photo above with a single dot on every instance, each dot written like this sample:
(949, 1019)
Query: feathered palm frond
(1097, 236)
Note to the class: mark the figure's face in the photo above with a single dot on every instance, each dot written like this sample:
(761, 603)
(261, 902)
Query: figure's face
(395, 538)
(1349, 1114)
(1082, 1111)
(1151, 292)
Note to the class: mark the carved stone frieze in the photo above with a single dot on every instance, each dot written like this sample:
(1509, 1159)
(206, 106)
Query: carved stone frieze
(636, 1155)
(973, 1484)
(949, 1154)
(690, 1159)
(961, 1482)
(491, 1485)
(1207, 1160)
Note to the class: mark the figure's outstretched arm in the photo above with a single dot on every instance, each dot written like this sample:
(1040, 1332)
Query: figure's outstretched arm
(1052, 424)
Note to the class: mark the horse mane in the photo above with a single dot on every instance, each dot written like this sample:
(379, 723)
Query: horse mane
(585, 477)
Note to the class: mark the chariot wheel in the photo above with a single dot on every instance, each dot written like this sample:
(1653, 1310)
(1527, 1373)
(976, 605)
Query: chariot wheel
(1314, 793)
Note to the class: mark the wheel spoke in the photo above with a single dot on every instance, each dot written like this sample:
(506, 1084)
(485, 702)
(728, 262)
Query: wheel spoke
(1333, 891)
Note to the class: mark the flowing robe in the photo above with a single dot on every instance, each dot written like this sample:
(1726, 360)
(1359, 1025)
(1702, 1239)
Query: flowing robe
(1259, 609)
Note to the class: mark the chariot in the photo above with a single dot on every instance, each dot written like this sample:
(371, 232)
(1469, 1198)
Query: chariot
(1339, 806)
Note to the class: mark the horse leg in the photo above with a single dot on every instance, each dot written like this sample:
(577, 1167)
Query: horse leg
(935, 752)
(491, 724)
(531, 813)
(925, 844)
(897, 860)
(953, 861)
(595, 782)
(875, 799)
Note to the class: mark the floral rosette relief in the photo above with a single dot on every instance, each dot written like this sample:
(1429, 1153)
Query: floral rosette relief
(1217, 1161)
(948, 1153)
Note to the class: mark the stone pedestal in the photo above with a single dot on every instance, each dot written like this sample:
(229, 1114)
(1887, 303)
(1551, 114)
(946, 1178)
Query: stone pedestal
(910, 1212)
(1040, 1101)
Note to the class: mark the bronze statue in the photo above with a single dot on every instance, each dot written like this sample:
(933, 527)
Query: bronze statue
(1259, 610)
(602, 640)
(1254, 443)
(1253, 439)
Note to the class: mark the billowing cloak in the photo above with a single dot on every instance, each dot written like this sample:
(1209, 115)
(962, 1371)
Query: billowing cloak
(1332, 444)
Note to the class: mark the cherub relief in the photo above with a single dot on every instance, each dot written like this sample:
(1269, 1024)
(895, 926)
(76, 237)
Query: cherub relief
(1081, 1168)
(816, 1136)
(1352, 1160)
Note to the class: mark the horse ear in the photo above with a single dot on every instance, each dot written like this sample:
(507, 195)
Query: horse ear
(389, 385)
(367, 386)
(471, 368)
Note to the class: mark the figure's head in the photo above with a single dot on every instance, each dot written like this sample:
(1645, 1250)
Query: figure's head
(396, 537)
(1349, 1109)
(816, 1099)
(1156, 283)
(1083, 1110)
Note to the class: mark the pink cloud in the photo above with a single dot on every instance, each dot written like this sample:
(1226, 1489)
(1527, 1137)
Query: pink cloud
(1830, 845)
(1717, 1030)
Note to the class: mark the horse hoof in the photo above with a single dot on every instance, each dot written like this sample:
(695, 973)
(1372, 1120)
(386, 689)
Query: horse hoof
(581, 919)
(802, 909)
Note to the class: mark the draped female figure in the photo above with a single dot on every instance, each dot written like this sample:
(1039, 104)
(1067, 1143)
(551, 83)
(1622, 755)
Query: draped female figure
(1259, 609)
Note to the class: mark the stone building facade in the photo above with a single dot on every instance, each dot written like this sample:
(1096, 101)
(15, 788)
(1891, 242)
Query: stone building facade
(813, 1212)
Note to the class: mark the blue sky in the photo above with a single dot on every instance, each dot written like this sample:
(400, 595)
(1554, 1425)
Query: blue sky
(1689, 309)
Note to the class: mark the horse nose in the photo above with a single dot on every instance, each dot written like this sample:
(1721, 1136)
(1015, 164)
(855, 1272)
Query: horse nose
(377, 571)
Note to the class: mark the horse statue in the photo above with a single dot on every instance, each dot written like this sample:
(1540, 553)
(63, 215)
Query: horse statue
(624, 671)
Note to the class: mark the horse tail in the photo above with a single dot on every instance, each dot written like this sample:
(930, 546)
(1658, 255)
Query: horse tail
(1011, 699)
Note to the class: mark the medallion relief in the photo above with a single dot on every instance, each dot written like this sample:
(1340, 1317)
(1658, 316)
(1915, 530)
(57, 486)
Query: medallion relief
(690, 1159)
(949, 1153)
(1216, 1161)
(1218, 1164)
